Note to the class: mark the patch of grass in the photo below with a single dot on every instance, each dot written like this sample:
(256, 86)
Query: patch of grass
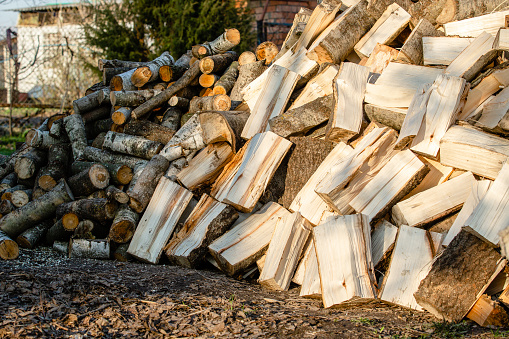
(364, 321)
(500, 334)
(8, 143)
(450, 330)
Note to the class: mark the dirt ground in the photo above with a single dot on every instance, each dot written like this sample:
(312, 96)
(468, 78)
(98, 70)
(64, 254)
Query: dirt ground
(43, 294)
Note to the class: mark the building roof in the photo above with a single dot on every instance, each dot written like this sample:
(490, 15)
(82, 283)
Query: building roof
(50, 7)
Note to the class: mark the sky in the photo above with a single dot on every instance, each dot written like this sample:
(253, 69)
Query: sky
(8, 18)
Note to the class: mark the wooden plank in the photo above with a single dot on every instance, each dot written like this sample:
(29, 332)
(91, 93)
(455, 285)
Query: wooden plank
(244, 179)
(272, 101)
(386, 29)
(307, 202)
(472, 150)
(398, 177)
(443, 50)
(491, 215)
(473, 58)
(286, 245)
(311, 287)
(441, 111)
(159, 220)
(458, 277)
(488, 312)
(433, 204)
(412, 49)
(474, 27)
(410, 263)
(343, 251)
(245, 243)
(206, 165)
(319, 86)
(349, 89)
(208, 221)
(383, 239)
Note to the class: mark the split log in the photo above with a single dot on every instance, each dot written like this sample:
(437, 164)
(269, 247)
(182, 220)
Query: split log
(31, 237)
(208, 80)
(220, 102)
(311, 287)
(209, 220)
(21, 197)
(159, 220)
(380, 58)
(91, 249)
(349, 89)
(75, 128)
(165, 95)
(246, 57)
(385, 30)
(206, 166)
(322, 16)
(299, 24)
(300, 271)
(150, 71)
(39, 139)
(443, 50)
(28, 164)
(171, 118)
(479, 189)
(122, 82)
(284, 251)
(261, 155)
(141, 193)
(266, 51)
(217, 63)
(225, 126)
(272, 100)
(437, 175)
(123, 225)
(169, 73)
(350, 281)
(383, 239)
(412, 49)
(113, 193)
(188, 139)
(408, 76)
(245, 243)
(8, 248)
(463, 271)
(9, 181)
(121, 115)
(487, 312)
(472, 150)
(473, 58)
(398, 177)
(179, 102)
(303, 118)
(410, 263)
(338, 40)
(149, 130)
(175, 167)
(247, 73)
(58, 162)
(388, 95)
(502, 40)
(227, 80)
(131, 145)
(493, 115)
(96, 177)
(474, 27)
(226, 41)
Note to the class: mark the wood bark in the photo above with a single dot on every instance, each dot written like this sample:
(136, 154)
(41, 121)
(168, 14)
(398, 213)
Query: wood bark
(150, 71)
(463, 271)
(299, 24)
(219, 102)
(119, 174)
(75, 128)
(88, 102)
(39, 139)
(208, 221)
(266, 51)
(227, 81)
(217, 63)
(179, 102)
(208, 80)
(99, 113)
(131, 145)
(142, 191)
(98, 209)
(122, 82)
(31, 237)
(121, 115)
(121, 254)
(105, 63)
(223, 126)
(113, 193)
(91, 249)
(28, 164)
(247, 73)
(171, 118)
(412, 48)
(226, 41)
(9, 181)
(96, 177)
(132, 98)
(58, 162)
(388, 116)
(149, 130)
(110, 72)
(6, 207)
(8, 248)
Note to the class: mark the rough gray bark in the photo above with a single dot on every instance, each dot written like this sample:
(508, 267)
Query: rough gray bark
(9, 181)
(179, 102)
(173, 72)
(89, 180)
(150, 71)
(8, 248)
(98, 209)
(75, 128)
(119, 174)
(40, 139)
(58, 164)
(113, 193)
(87, 248)
(247, 73)
(31, 237)
(122, 82)
(6, 207)
(149, 130)
(171, 118)
(28, 164)
(97, 155)
(225, 84)
(217, 63)
(132, 98)
(132, 145)
(88, 102)
(110, 72)
(387, 116)
(121, 115)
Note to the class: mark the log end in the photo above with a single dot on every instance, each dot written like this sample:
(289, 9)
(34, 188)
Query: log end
(99, 176)
(24, 168)
(320, 55)
(247, 57)
(266, 51)
(124, 175)
(118, 118)
(9, 249)
(122, 231)
(219, 90)
(31, 137)
(141, 76)
(47, 183)
(116, 83)
(222, 102)
(165, 73)
(206, 65)
(70, 221)
(233, 35)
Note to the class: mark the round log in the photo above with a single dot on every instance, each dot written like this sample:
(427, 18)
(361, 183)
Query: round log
(220, 102)
(132, 145)
(92, 179)
(121, 115)
(247, 57)
(6, 207)
(75, 128)
(208, 80)
(110, 72)
(121, 254)
(105, 157)
(113, 193)
(266, 51)
(227, 81)
(84, 229)
(247, 73)
(132, 98)
(149, 130)
(99, 140)
(58, 164)
(123, 82)
(57, 232)
(31, 237)
(171, 118)
(100, 113)
(97, 194)
(95, 209)
(9, 181)
(123, 226)
(87, 248)
(70, 221)
(217, 63)
(8, 248)
(150, 71)
(179, 102)
(28, 164)
(21, 197)
(40, 139)
(173, 72)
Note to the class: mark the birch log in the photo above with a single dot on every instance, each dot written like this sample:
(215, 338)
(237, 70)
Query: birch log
(131, 145)
(169, 73)
(150, 71)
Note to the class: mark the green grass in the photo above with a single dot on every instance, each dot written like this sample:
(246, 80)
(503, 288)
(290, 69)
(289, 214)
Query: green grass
(8, 143)
(450, 330)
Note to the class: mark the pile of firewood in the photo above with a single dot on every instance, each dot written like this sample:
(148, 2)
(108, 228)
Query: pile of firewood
(374, 140)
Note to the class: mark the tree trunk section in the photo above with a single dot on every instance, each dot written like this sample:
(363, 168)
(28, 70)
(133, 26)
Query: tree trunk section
(266, 51)
(131, 145)
(39, 139)
(31, 237)
(58, 164)
(110, 72)
(220, 102)
(223, 126)
(21, 197)
(8, 248)
(124, 225)
(171, 119)
(90, 180)
(217, 63)
(179, 102)
(246, 57)
(150, 71)
(121, 115)
(75, 128)
(170, 73)
(113, 193)
(150, 131)
(91, 249)
(122, 82)
(28, 164)
(225, 84)
(9, 181)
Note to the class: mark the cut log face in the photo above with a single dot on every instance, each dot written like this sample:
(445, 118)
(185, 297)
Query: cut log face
(92, 249)
(394, 181)
(225, 84)
(266, 51)
(271, 101)
(220, 102)
(380, 58)
(121, 115)
(473, 58)
(487, 312)
(463, 272)
(27, 165)
(245, 178)
(8, 248)
(307, 202)
(245, 243)
(349, 89)
(410, 263)
(441, 111)
(123, 225)
(217, 63)
(385, 30)
(132, 145)
(479, 189)
(58, 162)
(434, 203)
(474, 27)
(246, 57)
(286, 245)
(311, 287)
(343, 251)
(206, 165)
(382, 241)
(473, 150)
(90, 180)
(208, 221)
(150, 71)
(443, 50)
(223, 126)
(159, 220)
(122, 82)
(31, 237)
(489, 216)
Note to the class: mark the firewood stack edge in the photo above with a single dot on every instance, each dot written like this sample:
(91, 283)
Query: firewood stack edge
(366, 159)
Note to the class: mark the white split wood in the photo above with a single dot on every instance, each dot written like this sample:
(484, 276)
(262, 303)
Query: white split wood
(502, 39)
(311, 287)
(300, 271)
(388, 95)
(474, 27)
(437, 175)
(382, 240)
(407, 75)
(443, 50)
(495, 110)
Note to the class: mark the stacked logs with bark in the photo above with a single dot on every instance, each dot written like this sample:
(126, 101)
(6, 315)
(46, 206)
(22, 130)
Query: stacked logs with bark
(366, 159)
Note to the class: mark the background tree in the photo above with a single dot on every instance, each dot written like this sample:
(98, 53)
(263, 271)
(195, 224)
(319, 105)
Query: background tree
(141, 29)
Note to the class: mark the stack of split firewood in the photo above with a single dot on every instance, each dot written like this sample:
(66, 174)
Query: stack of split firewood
(366, 159)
